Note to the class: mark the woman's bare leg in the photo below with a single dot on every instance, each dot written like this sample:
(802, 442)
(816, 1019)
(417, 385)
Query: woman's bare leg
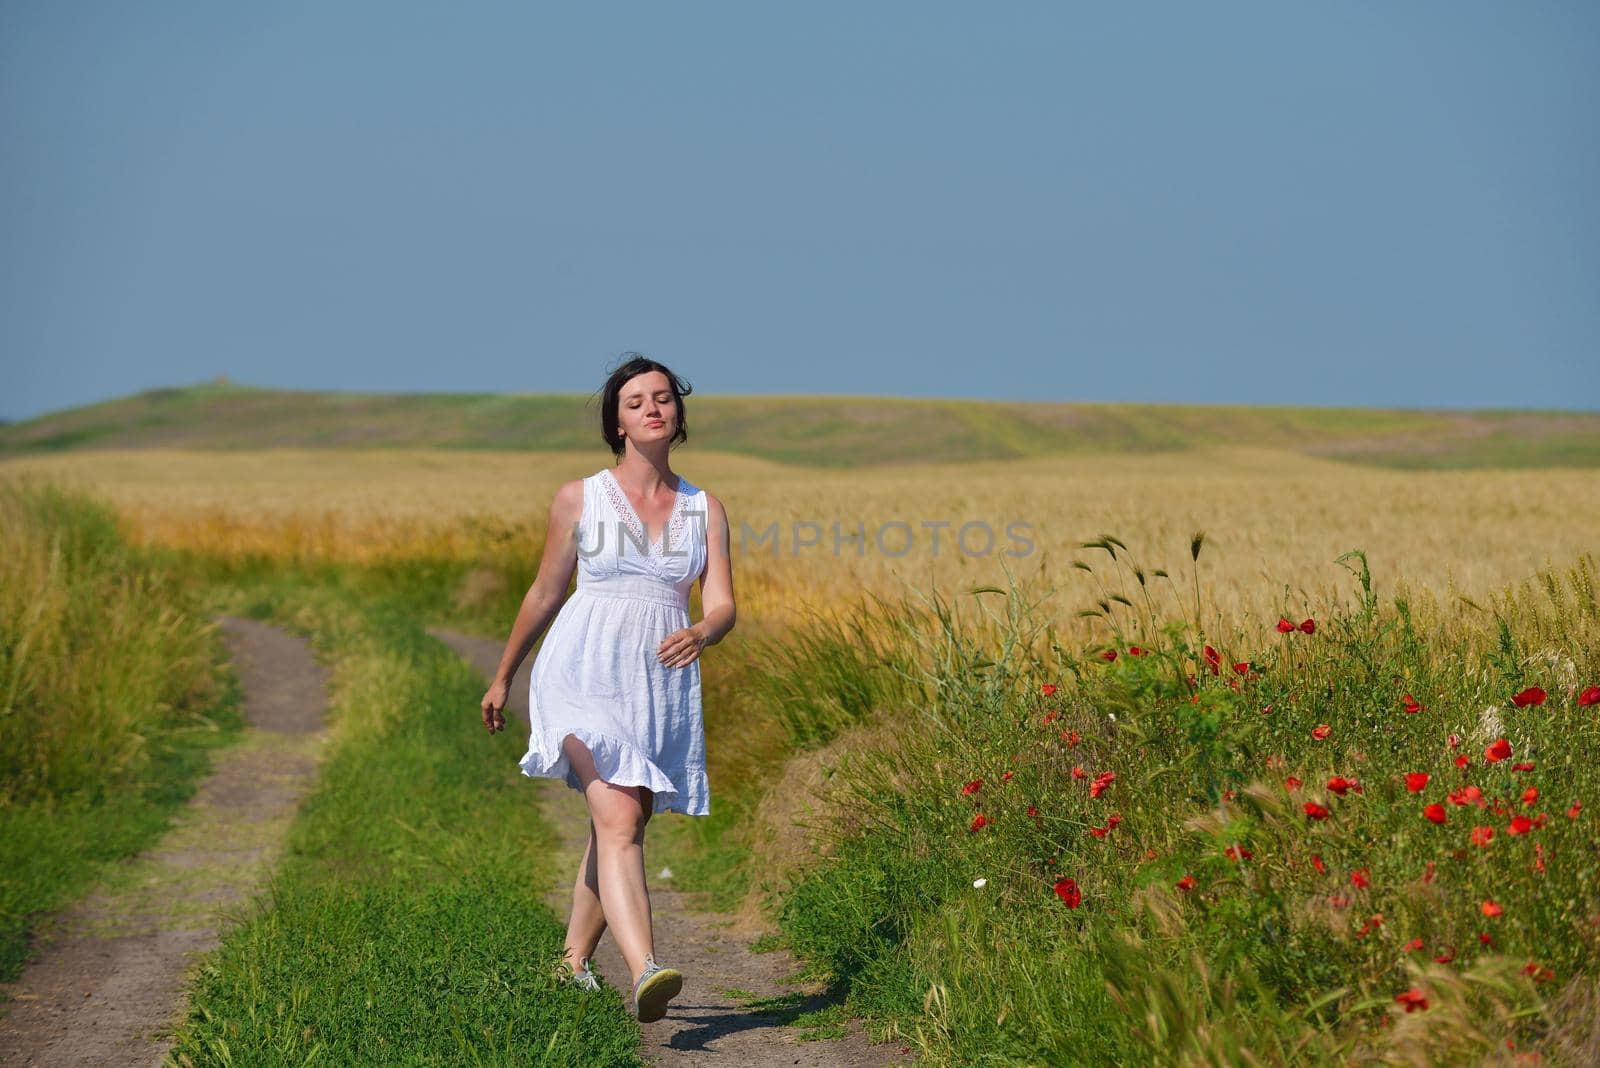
(588, 920)
(617, 816)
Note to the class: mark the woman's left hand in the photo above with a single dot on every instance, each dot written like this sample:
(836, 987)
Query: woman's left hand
(681, 648)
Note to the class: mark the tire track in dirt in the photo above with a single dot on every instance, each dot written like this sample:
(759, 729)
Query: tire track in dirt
(703, 1025)
(107, 982)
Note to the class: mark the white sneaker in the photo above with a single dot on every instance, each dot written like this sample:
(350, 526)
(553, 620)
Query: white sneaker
(583, 978)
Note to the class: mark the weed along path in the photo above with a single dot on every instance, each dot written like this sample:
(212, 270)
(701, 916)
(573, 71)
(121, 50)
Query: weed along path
(108, 980)
(735, 1003)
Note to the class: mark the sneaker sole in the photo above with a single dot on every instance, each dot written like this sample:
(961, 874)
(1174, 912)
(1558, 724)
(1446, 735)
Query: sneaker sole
(659, 989)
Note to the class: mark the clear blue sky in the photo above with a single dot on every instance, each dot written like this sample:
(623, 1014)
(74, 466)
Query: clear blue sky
(1388, 203)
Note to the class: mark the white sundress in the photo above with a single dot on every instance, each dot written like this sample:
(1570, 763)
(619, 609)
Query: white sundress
(597, 676)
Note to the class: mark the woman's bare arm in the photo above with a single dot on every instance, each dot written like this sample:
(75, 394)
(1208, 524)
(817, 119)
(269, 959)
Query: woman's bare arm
(543, 598)
(716, 582)
(682, 647)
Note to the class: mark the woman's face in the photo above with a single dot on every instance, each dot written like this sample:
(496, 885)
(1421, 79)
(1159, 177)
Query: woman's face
(646, 408)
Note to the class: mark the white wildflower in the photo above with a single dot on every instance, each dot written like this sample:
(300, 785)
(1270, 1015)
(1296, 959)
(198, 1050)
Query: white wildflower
(1489, 725)
(979, 884)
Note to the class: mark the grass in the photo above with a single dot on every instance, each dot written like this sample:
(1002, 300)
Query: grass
(112, 697)
(844, 726)
(831, 432)
(1211, 917)
(405, 922)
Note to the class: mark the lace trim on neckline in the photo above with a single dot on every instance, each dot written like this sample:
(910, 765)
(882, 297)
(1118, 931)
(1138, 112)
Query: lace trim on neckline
(624, 509)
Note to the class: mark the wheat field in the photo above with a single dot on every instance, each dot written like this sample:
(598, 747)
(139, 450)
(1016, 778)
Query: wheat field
(1274, 521)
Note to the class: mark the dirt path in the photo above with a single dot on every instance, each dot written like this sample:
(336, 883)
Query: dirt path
(109, 977)
(703, 1024)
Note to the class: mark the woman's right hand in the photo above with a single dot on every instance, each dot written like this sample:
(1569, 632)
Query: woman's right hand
(494, 702)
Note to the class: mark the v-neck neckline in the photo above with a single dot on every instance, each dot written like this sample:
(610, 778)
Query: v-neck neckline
(644, 531)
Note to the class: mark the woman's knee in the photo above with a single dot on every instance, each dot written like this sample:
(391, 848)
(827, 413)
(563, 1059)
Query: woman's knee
(616, 812)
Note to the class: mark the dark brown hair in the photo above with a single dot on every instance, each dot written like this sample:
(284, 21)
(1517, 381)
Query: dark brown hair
(633, 365)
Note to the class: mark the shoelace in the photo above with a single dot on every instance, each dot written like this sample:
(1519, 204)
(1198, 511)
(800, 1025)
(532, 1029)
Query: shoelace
(583, 977)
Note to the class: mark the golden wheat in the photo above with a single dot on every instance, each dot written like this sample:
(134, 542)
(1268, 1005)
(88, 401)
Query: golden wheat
(1275, 521)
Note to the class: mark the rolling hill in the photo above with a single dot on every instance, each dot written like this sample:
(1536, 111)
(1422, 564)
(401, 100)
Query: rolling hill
(832, 431)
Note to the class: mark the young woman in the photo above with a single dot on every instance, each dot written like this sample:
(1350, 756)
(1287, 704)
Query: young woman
(614, 694)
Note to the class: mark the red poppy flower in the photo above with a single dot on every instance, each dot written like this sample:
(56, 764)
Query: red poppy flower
(979, 822)
(1361, 878)
(1540, 975)
(1484, 939)
(1572, 813)
(1048, 689)
(1533, 695)
(1072, 738)
(1530, 795)
(1338, 901)
(1292, 783)
(1321, 731)
(1237, 853)
(1315, 811)
(1033, 811)
(1102, 783)
(1455, 742)
(1411, 704)
(1490, 909)
(1526, 765)
(1214, 659)
(1099, 832)
(1482, 836)
(972, 787)
(1339, 784)
(1007, 776)
(1588, 697)
(1186, 883)
(1519, 825)
(1284, 626)
(1499, 750)
(1413, 945)
(1112, 821)
(1134, 650)
(1415, 781)
(1414, 1000)
(1067, 890)
(1109, 655)
(1434, 813)
(1473, 794)
(1079, 773)
(1446, 957)
(1050, 717)
(1309, 626)
(1462, 761)
(1316, 862)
